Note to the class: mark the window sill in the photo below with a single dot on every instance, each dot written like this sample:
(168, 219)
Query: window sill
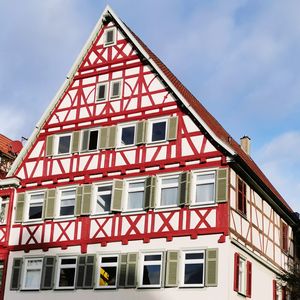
(164, 208)
(134, 212)
(33, 222)
(202, 205)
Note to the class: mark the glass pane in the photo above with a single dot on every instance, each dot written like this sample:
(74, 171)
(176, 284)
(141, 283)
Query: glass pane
(194, 256)
(152, 257)
(68, 261)
(206, 177)
(67, 277)
(104, 188)
(101, 91)
(158, 131)
(68, 194)
(68, 202)
(151, 275)
(127, 137)
(109, 36)
(35, 212)
(169, 196)
(115, 89)
(193, 274)
(171, 181)
(67, 210)
(137, 185)
(135, 200)
(64, 144)
(93, 140)
(205, 192)
(32, 279)
(37, 197)
(103, 203)
(109, 259)
(107, 276)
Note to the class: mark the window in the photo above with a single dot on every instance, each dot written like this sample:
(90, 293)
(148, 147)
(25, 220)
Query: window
(150, 275)
(135, 195)
(35, 206)
(157, 130)
(90, 140)
(242, 275)
(66, 273)
(63, 144)
(32, 273)
(193, 268)
(284, 237)
(110, 36)
(107, 271)
(4, 201)
(126, 135)
(103, 198)
(115, 89)
(241, 197)
(204, 188)
(169, 191)
(102, 91)
(67, 202)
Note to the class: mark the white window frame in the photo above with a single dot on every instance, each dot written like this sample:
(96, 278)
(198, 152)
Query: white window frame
(56, 143)
(194, 184)
(69, 266)
(148, 263)
(59, 202)
(111, 89)
(105, 43)
(160, 186)
(128, 190)
(107, 264)
(242, 276)
(105, 92)
(119, 134)
(150, 130)
(184, 262)
(29, 201)
(95, 194)
(26, 268)
(4, 201)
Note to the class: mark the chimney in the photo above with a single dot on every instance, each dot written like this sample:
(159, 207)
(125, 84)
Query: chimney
(245, 144)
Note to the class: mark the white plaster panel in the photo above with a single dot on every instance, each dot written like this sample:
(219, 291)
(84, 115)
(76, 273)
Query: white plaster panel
(47, 233)
(115, 105)
(237, 222)
(117, 74)
(189, 124)
(132, 103)
(14, 236)
(37, 150)
(99, 109)
(232, 198)
(255, 238)
(89, 80)
(39, 170)
(21, 173)
(155, 85)
(127, 49)
(212, 219)
(95, 227)
(92, 57)
(103, 77)
(29, 167)
(186, 149)
(209, 147)
(83, 161)
(232, 178)
(162, 153)
(132, 71)
(119, 160)
(245, 228)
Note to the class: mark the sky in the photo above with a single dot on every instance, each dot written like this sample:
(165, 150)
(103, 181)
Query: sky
(240, 58)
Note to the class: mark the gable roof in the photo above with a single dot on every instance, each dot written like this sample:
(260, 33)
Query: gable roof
(209, 123)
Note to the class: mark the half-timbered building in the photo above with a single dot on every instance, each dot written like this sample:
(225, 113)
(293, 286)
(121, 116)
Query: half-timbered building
(129, 187)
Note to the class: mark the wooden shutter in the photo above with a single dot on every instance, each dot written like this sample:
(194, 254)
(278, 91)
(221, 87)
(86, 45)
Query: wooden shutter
(85, 140)
(16, 273)
(283, 292)
(172, 128)
(141, 132)
(48, 273)
(132, 259)
(85, 272)
(50, 204)
(184, 188)
(172, 268)
(49, 145)
(249, 279)
(75, 141)
(20, 207)
(103, 137)
(211, 267)
(112, 135)
(150, 191)
(79, 190)
(221, 185)
(274, 290)
(122, 271)
(117, 195)
(86, 199)
(236, 272)
(80, 271)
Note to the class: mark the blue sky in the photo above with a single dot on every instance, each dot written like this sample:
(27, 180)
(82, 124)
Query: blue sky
(239, 58)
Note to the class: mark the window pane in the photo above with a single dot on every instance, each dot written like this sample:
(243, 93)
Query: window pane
(135, 200)
(170, 181)
(68, 194)
(152, 257)
(108, 276)
(127, 137)
(32, 279)
(169, 196)
(151, 275)
(193, 274)
(109, 259)
(35, 212)
(67, 210)
(109, 36)
(194, 256)
(37, 197)
(66, 278)
(101, 91)
(93, 140)
(205, 192)
(115, 89)
(206, 177)
(103, 203)
(158, 131)
(64, 144)
(68, 261)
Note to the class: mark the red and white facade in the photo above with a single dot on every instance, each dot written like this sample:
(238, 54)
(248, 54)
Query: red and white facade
(130, 188)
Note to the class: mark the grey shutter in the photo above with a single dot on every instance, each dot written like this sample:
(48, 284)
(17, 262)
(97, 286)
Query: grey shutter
(50, 204)
(78, 200)
(20, 207)
(131, 269)
(89, 272)
(211, 267)
(117, 195)
(16, 274)
(172, 268)
(150, 191)
(221, 185)
(48, 273)
(172, 128)
(49, 145)
(112, 132)
(141, 132)
(80, 271)
(122, 271)
(75, 141)
(85, 140)
(86, 199)
(103, 137)
(184, 188)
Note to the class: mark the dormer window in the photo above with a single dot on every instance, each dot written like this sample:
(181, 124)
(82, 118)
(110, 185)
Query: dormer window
(110, 36)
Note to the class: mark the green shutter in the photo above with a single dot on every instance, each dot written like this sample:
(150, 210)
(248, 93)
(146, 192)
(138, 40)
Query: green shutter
(141, 132)
(50, 204)
(103, 137)
(49, 145)
(184, 188)
(172, 128)
(172, 268)
(150, 191)
(75, 141)
(20, 207)
(122, 271)
(131, 269)
(112, 137)
(16, 273)
(85, 140)
(80, 271)
(86, 199)
(211, 267)
(78, 200)
(89, 272)
(48, 273)
(221, 185)
(117, 195)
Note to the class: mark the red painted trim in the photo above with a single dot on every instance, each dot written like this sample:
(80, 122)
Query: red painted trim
(236, 272)
(283, 293)
(274, 290)
(249, 279)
